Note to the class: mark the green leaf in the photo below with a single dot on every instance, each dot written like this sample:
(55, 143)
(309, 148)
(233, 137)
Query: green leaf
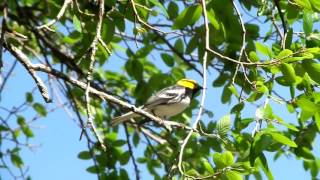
(304, 4)
(135, 69)
(119, 143)
(313, 70)
(144, 51)
(317, 120)
(29, 97)
(213, 20)
(288, 73)
(233, 90)
(264, 49)
(284, 54)
(93, 169)
(167, 59)
(224, 126)
(85, 155)
(315, 4)
(253, 56)
(124, 158)
(307, 105)
(16, 160)
(217, 160)
(233, 175)
(307, 23)
(40, 109)
(282, 139)
(173, 8)
(76, 23)
(207, 166)
(187, 17)
(124, 174)
(163, 9)
(192, 45)
(109, 30)
(227, 158)
(264, 165)
(179, 46)
(135, 139)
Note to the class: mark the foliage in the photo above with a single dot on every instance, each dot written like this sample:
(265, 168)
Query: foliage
(154, 43)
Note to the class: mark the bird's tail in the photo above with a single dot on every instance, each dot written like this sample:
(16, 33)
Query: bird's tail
(123, 118)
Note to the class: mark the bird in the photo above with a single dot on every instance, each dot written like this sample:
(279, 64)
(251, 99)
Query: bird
(166, 103)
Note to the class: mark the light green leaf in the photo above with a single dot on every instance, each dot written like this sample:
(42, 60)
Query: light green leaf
(40, 109)
(207, 165)
(282, 139)
(233, 175)
(284, 54)
(315, 4)
(227, 158)
(213, 20)
(233, 90)
(304, 4)
(307, 22)
(264, 49)
(187, 17)
(253, 56)
(76, 23)
(224, 125)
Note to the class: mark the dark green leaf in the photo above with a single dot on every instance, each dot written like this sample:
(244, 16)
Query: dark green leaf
(124, 158)
(16, 160)
(173, 8)
(93, 169)
(167, 59)
(29, 97)
(85, 155)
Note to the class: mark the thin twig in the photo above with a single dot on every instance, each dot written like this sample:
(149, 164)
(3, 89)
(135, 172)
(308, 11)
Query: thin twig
(146, 24)
(57, 18)
(5, 79)
(204, 85)
(243, 46)
(94, 47)
(3, 30)
(131, 152)
(24, 60)
(283, 40)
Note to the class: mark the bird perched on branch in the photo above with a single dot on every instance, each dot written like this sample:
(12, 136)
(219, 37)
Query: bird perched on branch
(168, 102)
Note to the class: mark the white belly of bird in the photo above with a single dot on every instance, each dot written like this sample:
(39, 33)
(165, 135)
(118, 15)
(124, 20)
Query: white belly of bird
(165, 111)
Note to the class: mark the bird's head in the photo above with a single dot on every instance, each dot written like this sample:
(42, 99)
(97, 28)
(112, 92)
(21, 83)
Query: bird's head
(190, 84)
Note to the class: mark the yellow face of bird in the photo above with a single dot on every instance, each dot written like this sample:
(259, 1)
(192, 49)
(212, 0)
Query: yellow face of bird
(188, 83)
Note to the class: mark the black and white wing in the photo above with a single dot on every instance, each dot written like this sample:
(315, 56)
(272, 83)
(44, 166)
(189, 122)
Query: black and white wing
(166, 96)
